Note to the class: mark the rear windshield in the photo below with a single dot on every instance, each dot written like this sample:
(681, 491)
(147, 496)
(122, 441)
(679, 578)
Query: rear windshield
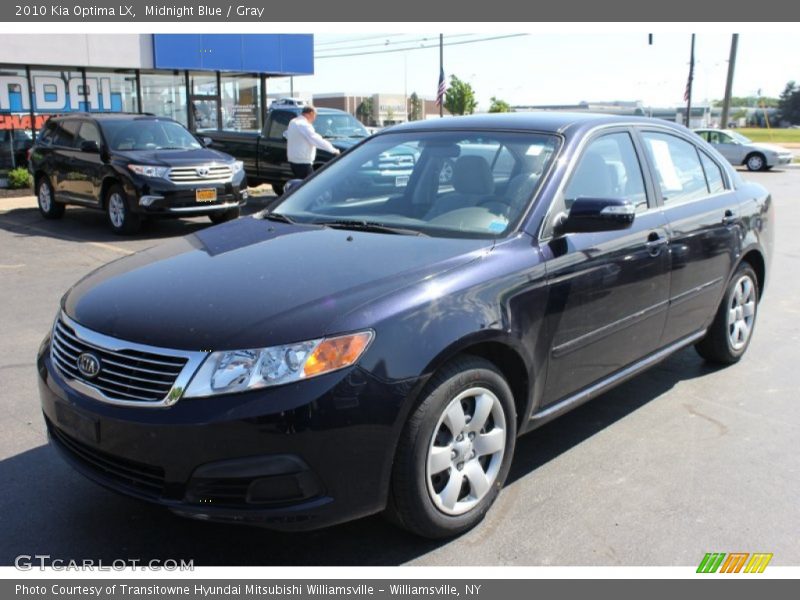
(148, 134)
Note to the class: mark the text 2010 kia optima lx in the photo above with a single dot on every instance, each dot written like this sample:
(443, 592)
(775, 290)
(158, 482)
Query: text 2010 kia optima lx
(351, 351)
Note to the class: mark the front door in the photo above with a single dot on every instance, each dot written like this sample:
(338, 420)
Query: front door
(727, 146)
(272, 160)
(87, 178)
(607, 291)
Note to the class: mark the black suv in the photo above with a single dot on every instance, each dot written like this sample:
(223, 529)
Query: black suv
(133, 166)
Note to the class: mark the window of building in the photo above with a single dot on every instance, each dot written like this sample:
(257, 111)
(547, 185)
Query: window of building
(111, 91)
(241, 106)
(164, 95)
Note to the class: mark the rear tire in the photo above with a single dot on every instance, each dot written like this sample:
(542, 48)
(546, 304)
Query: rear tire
(45, 198)
(729, 335)
(120, 217)
(224, 216)
(455, 451)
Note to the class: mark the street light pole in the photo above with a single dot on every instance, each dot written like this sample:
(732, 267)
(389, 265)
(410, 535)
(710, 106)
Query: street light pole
(441, 69)
(726, 104)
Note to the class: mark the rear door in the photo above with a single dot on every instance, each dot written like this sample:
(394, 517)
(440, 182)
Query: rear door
(608, 291)
(87, 167)
(727, 146)
(63, 158)
(701, 211)
(273, 165)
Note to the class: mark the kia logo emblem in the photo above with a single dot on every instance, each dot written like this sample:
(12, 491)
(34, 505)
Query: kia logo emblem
(202, 171)
(88, 365)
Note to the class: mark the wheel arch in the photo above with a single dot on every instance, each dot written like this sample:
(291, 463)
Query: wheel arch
(108, 181)
(755, 259)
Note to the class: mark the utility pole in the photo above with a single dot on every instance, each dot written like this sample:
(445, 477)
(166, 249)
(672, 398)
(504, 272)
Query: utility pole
(688, 94)
(441, 69)
(726, 104)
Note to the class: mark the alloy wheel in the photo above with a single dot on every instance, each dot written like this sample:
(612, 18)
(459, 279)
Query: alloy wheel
(741, 312)
(45, 201)
(116, 210)
(466, 451)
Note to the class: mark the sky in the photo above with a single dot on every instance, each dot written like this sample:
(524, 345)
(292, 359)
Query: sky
(556, 68)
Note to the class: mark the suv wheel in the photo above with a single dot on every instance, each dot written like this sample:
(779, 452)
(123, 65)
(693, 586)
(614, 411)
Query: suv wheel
(48, 206)
(121, 219)
(455, 451)
(225, 215)
(730, 333)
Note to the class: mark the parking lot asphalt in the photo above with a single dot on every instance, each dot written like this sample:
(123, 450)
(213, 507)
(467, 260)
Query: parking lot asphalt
(682, 460)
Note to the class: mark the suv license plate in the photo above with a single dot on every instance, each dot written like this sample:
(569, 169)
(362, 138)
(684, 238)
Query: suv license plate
(209, 195)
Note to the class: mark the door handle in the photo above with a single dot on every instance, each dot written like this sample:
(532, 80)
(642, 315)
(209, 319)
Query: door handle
(654, 243)
(729, 218)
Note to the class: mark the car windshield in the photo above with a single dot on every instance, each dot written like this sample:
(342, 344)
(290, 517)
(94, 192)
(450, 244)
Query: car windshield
(333, 126)
(739, 137)
(148, 134)
(453, 184)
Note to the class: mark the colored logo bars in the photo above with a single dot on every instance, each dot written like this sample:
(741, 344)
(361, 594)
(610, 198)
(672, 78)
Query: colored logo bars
(733, 562)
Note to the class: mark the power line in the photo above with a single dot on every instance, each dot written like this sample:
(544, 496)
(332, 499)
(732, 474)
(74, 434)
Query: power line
(422, 47)
(360, 39)
(396, 42)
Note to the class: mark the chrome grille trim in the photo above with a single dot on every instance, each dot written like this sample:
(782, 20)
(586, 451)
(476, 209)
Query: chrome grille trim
(216, 174)
(140, 375)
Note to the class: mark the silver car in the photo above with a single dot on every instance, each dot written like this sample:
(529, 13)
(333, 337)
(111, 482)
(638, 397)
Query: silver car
(740, 150)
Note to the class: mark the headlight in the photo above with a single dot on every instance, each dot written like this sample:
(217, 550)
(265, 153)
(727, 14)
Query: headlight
(149, 170)
(232, 371)
(237, 166)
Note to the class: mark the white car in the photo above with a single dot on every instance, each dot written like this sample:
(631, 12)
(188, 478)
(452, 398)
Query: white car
(287, 102)
(740, 150)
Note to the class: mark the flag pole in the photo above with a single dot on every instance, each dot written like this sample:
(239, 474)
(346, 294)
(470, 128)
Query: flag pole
(689, 87)
(441, 69)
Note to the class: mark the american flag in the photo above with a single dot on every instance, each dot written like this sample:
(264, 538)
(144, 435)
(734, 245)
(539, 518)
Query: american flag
(442, 88)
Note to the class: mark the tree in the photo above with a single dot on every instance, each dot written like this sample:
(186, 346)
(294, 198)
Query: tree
(415, 107)
(459, 99)
(790, 103)
(499, 106)
(364, 112)
(753, 101)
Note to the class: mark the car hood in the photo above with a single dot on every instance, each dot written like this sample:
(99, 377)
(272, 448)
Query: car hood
(344, 143)
(252, 283)
(173, 158)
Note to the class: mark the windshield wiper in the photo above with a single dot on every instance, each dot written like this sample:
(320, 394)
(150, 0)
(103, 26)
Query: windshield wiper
(273, 216)
(172, 148)
(369, 226)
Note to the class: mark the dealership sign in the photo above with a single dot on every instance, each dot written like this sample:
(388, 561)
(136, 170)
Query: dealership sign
(57, 94)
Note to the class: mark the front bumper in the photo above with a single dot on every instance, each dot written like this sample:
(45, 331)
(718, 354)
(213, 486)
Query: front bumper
(300, 456)
(780, 160)
(163, 198)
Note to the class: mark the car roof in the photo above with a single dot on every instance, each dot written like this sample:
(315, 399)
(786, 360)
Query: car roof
(321, 110)
(547, 121)
(110, 116)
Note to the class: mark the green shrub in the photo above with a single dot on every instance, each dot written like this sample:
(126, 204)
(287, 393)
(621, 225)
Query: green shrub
(19, 178)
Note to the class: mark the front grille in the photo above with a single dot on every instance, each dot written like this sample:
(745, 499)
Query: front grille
(215, 174)
(395, 161)
(145, 478)
(126, 375)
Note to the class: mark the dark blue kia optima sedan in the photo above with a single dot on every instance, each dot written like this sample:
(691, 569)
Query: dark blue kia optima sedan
(351, 350)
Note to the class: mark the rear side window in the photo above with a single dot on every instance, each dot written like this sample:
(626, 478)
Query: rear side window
(279, 123)
(89, 133)
(677, 167)
(716, 183)
(47, 134)
(66, 133)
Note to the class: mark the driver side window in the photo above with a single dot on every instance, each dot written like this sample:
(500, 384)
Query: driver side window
(608, 168)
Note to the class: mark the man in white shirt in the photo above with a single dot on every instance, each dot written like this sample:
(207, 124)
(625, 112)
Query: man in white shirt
(303, 141)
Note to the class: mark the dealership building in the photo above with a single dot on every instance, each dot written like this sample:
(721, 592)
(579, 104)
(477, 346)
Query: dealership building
(203, 81)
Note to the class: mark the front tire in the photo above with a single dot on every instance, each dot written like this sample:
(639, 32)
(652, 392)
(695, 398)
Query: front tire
(455, 451)
(224, 216)
(755, 162)
(730, 333)
(45, 198)
(120, 217)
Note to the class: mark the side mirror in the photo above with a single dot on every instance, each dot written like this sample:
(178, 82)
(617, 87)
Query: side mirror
(90, 146)
(290, 185)
(598, 214)
(207, 141)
